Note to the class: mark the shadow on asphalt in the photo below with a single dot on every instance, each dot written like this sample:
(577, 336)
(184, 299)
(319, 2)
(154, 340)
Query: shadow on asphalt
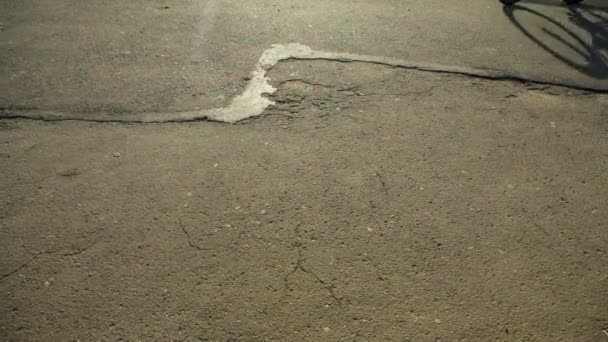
(585, 35)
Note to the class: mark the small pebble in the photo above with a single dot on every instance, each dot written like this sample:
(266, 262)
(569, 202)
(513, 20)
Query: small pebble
(116, 155)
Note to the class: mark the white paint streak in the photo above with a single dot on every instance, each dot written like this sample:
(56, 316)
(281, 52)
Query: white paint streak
(252, 102)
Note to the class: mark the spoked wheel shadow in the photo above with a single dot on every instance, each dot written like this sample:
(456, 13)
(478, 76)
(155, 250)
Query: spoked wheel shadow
(590, 45)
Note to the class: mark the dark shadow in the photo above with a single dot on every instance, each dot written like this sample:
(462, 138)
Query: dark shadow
(591, 43)
(558, 3)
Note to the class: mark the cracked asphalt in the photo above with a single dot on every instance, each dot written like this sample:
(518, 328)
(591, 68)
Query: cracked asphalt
(369, 203)
(120, 57)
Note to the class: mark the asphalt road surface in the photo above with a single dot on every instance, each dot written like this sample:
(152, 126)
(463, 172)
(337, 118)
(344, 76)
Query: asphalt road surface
(165, 56)
(394, 171)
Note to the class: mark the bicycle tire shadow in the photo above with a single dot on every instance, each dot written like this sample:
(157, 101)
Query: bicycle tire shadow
(591, 46)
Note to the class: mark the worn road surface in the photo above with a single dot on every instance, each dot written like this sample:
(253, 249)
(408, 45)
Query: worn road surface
(163, 56)
(368, 202)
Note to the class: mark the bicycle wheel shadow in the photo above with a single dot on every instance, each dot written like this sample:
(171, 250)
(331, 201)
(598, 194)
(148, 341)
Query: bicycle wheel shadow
(581, 42)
